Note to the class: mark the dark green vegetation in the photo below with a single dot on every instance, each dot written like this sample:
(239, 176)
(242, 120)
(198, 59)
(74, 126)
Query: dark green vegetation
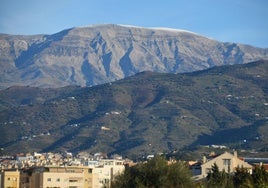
(144, 114)
(155, 174)
(240, 179)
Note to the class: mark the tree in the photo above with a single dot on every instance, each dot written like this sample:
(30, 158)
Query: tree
(179, 175)
(260, 177)
(156, 173)
(242, 178)
(217, 178)
(130, 178)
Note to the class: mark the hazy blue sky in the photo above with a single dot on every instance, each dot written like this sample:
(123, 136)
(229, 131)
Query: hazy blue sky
(243, 21)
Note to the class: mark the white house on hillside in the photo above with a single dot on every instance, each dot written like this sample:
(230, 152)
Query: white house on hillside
(226, 161)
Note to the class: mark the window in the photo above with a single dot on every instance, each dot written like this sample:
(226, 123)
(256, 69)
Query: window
(106, 181)
(73, 180)
(58, 180)
(226, 162)
(48, 179)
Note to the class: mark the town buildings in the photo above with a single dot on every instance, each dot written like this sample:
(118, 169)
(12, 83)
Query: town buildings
(56, 170)
(50, 170)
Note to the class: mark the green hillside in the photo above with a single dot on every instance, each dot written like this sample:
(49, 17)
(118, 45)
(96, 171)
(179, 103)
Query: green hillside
(143, 114)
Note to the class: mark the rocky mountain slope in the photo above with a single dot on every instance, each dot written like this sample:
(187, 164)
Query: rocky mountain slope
(146, 113)
(99, 54)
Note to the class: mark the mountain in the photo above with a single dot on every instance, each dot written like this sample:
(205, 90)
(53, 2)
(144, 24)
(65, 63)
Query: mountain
(146, 113)
(98, 54)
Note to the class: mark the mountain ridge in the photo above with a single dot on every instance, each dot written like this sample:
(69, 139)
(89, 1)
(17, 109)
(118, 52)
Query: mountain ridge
(104, 53)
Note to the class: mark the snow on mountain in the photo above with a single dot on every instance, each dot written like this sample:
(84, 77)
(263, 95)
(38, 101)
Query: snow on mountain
(160, 28)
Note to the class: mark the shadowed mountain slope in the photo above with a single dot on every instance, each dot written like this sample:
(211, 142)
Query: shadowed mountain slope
(146, 113)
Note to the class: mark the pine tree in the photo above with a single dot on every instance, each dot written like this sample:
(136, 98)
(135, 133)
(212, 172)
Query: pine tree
(260, 177)
(242, 178)
(217, 178)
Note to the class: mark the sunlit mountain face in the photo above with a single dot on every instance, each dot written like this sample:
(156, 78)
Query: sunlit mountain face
(97, 54)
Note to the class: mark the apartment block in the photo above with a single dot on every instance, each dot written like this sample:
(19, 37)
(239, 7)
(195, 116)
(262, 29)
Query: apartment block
(10, 178)
(105, 170)
(57, 177)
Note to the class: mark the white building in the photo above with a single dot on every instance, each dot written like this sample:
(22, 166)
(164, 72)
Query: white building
(105, 170)
(226, 161)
